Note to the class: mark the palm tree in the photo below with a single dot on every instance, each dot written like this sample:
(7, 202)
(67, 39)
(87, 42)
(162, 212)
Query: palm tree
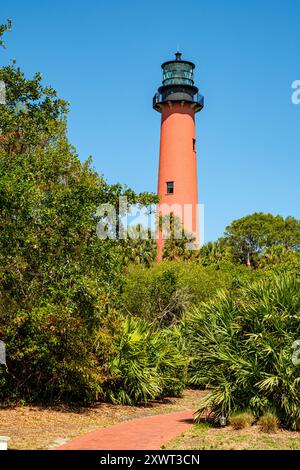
(213, 252)
(140, 246)
(178, 243)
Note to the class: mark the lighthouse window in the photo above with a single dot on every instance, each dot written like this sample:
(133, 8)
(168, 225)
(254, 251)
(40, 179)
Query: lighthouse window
(194, 145)
(178, 73)
(170, 187)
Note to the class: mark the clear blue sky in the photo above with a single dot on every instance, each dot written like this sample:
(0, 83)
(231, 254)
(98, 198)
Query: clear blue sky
(104, 57)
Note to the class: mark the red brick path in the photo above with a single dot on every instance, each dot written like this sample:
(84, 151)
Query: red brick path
(137, 434)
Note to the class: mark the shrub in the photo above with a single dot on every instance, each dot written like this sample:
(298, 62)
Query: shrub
(154, 294)
(165, 291)
(242, 347)
(268, 422)
(49, 357)
(53, 355)
(241, 420)
(147, 363)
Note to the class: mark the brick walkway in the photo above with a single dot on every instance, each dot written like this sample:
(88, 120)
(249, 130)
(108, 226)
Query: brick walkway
(148, 433)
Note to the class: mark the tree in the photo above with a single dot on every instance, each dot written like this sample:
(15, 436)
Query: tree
(214, 252)
(3, 29)
(33, 116)
(140, 247)
(251, 235)
(58, 280)
(178, 244)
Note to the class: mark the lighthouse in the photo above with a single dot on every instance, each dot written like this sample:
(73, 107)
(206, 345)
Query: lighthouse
(177, 99)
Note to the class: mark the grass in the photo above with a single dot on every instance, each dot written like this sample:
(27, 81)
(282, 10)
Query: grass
(268, 422)
(204, 437)
(241, 420)
(34, 427)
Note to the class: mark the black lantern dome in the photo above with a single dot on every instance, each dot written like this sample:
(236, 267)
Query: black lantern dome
(178, 84)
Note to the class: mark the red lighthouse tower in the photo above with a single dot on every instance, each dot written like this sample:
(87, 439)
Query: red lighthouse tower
(178, 100)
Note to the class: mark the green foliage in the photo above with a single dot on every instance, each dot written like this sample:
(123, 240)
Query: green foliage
(3, 29)
(58, 280)
(49, 249)
(147, 363)
(251, 235)
(279, 259)
(165, 291)
(241, 420)
(33, 115)
(140, 248)
(178, 243)
(49, 352)
(268, 422)
(242, 347)
(214, 252)
(62, 288)
(154, 293)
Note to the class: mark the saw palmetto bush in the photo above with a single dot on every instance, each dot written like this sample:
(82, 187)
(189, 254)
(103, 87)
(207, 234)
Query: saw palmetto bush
(242, 347)
(146, 363)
